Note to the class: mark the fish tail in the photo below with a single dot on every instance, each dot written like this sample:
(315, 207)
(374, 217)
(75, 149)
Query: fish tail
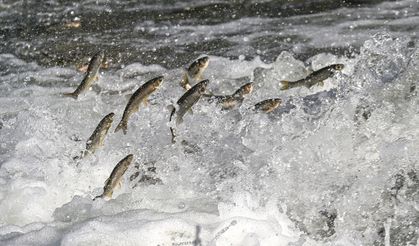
(72, 94)
(172, 131)
(285, 85)
(172, 110)
(122, 125)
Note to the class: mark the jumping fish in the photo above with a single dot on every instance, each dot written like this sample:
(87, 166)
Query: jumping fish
(91, 75)
(188, 100)
(317, 77)
(97, 139)
(194, 72)
(140, 96)
(115, 178)
(234, 100)
(268, 105)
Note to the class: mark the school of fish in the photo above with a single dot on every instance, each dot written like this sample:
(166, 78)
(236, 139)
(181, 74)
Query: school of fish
(196, 88)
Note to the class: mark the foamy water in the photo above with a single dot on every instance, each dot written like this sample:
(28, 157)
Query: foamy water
(335, 164)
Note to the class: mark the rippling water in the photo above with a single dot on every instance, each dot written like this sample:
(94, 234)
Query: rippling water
(334, 165)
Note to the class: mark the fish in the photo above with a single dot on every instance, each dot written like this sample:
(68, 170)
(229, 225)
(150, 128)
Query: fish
(115, 178)
(83, 67)
(97, 138)
(194, 72)
(316, 77)
(231, 101)
(140, 96)
(91, 75)
(73, 24)
(244, 90)
(268, 105)
(188, 99)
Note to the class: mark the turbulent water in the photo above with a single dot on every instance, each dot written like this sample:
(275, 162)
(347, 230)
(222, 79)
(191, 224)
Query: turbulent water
(333, 165)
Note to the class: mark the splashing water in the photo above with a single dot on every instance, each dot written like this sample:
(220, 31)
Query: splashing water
(333, 165)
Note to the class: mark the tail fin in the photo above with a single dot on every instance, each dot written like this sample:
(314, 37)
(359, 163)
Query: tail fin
(172, 131)
(285, 85)
(172, 110)
(72, 94)
(122, 125)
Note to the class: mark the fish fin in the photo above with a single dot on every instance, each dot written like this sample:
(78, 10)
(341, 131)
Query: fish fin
(309, 71)
(100, 196)
(110, 194)
(84, 153)
(119, 184)
(172, 110)
(190, 111)
(145, 101)
(71, 94)
(321, 83)
(285, 85)
(83, 68)
(172, 131)
(122, 125)
(96, 78)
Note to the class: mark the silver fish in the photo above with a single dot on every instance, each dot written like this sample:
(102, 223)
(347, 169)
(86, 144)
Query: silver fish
(317, 77)
(268, 105)
(234, 100)
(116, 176)
(97, 139)
(188, 100)
(140, 96)
(194, 72)
(91, 75)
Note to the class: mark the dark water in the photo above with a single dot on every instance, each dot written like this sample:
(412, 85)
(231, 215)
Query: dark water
(173, 32)
(343, 158)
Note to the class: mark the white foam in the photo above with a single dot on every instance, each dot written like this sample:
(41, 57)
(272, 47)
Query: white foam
(244, 178)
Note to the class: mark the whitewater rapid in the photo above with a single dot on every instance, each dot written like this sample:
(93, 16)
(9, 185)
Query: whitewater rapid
(334, 165)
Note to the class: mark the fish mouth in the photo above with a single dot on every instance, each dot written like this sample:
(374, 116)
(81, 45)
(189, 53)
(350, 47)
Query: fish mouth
(158, 81)
(248, 88)
(203, 62)
(111, 115)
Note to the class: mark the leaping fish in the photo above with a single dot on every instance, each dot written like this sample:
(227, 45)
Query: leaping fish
(317, 77)
(91, 75)
(140, 96)
(194, 72)
(268, 105)
(234, 100)
(188, 99)
(115, 178)
(97, 138)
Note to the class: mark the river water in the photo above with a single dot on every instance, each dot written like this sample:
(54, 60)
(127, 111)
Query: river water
(336, 164)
